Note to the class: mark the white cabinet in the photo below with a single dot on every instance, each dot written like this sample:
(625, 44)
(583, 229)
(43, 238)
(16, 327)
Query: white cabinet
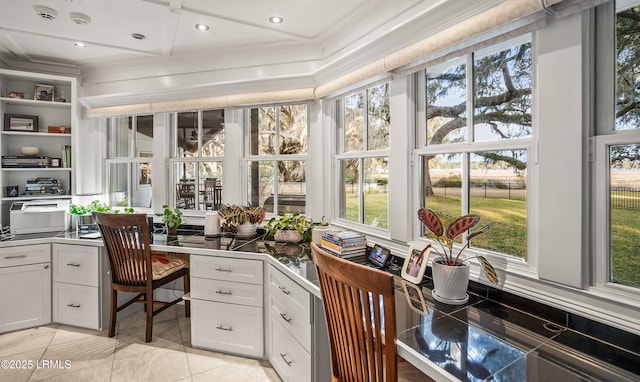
(15, 135)
(291, 324)
(226, 305)
(80, 286)
(25, 287)
(299, 344)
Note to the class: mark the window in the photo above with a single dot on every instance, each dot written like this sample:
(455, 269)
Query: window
(617, 168)
(363, 156)
(197, 162)
(277, 157)
(474, 152)
(129, 161)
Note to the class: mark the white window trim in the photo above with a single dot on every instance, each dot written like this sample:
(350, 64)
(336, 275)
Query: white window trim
(278, 157)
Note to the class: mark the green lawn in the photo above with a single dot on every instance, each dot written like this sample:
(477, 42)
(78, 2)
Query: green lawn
(509, 232)
(625, 247)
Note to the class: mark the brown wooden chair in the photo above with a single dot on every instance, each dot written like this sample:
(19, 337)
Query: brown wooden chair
(134, 268)
(363, 349)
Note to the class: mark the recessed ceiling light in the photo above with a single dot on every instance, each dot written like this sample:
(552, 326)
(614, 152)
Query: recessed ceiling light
(46, 13)
(275, 19)
(138, 36)
(80, 44)
(202, 27)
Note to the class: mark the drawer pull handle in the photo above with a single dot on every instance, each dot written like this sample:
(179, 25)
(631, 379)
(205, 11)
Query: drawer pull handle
(225, 328)
(284, 290)
(15, 257)
(284, 317)
(224, 270)
(73, 264)
(224, 292)
(73, 305)
(285, 359)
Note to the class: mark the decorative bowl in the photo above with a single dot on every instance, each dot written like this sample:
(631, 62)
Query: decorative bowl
(29, 150)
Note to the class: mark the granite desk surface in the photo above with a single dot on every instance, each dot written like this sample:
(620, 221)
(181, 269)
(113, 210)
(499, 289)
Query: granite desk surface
(482, 340)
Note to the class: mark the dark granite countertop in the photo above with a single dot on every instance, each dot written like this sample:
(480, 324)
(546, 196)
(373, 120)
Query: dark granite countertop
(482, 340)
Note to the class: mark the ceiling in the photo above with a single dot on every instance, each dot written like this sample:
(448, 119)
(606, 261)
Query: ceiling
(169, 27)
(242, 51)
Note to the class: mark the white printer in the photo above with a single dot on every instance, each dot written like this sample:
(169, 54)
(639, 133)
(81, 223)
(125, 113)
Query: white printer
(36, 216)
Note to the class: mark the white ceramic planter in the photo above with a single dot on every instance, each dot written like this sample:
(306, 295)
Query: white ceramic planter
(450, 282)
(247, 230)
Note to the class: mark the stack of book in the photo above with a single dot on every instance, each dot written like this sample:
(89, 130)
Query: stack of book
(345, 244)
(43, 187)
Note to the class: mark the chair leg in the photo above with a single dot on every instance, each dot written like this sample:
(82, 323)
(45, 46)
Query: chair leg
(113, 312)
(148, 304)
(187, 288)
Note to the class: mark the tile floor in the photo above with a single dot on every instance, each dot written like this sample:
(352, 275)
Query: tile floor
(89, 355)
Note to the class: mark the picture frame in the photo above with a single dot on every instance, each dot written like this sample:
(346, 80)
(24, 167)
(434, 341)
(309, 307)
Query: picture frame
(415, 298)
(16, 95)
(379, 256)
(44, 92)
(415, 263)
(55, 162)
(19, 122)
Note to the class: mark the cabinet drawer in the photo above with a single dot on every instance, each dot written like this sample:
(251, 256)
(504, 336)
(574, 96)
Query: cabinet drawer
(293, 320)
(76, 264)
(226, 291)
(290, 305)
(76, 305)
(25, 254)
(221, 268)
(227, 327)
(288, 357)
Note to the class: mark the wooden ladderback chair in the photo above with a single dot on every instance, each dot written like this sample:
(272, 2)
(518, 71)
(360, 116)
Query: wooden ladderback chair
(360, 312)
(212, 194)
(134, 268)
(363, 341)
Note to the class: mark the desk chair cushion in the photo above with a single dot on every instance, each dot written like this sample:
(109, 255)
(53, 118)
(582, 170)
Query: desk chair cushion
(163, 265)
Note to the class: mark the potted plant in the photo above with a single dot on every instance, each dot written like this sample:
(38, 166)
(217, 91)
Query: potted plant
(450, 269)
(289, 228)
(241, 220)
(172, 219)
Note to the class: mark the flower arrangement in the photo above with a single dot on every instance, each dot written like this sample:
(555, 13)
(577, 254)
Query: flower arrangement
(445, 229)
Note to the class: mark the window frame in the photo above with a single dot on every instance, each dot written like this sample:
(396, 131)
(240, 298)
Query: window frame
(275, 158)
(130, 160)
(174, 159)
(605, 135)
(525, 267)
(340, 154)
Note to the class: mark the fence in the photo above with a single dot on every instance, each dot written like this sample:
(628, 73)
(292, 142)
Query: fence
(627, 198)
(506, 190)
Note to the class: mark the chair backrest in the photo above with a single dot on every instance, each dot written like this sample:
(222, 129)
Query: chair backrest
(213, 193)
(363, 342)
(126, 237)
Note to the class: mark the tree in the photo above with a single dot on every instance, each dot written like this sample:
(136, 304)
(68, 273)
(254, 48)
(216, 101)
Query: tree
(501, 104)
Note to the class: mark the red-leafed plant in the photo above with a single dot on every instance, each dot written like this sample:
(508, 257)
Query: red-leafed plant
(445, 229)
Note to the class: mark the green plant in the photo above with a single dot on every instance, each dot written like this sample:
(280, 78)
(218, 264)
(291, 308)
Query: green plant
(236, 215)
(290, 221)
(172, 218)
(445, 229)
(95, 205)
